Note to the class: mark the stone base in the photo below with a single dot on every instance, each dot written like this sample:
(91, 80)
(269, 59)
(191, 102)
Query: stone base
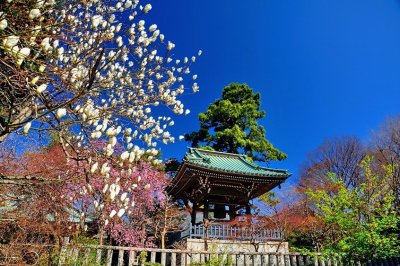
(226, 246)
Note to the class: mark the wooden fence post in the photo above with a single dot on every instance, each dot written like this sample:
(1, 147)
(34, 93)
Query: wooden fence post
(132, 255)
(63, 251)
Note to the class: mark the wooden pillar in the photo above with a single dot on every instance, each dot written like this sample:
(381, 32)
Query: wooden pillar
(194, 210)
(206, 209)
(248, 209)
(206, 202)
(232, 212)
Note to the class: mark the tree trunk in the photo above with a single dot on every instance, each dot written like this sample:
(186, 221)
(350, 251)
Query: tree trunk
(101, 236)
(163, 239)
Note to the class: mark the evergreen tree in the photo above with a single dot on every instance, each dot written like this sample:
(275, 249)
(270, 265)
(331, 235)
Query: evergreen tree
(231, 125)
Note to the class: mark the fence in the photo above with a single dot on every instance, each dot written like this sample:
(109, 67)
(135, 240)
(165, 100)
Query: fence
(121, 256)
(228, 232)
(95, 255)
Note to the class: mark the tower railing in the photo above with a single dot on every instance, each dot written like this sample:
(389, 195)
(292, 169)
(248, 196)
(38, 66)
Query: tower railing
(226, 232)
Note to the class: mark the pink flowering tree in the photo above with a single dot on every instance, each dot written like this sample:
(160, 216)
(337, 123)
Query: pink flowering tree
(120, 204)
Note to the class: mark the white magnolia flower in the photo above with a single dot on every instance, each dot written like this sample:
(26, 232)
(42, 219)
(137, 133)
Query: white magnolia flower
(113, 141)
(128, 131)
(24, 52)
(111, 132)
(41, 88)
(170, 46)
(121, 212)
(34, 80)
(128, 4)
(113, 213)
(181, 137)
(94, 167)
(105, 169)
(96, 20)
(152, 27)
(45, 44)
(34, 13)
(61, 112)
(147, 8)
(10, 41)
(40, 3)
(123, 196)
(125, 155)
(195, 87)
(115, 188)
(105, 188)
(132, 157)
(147, 186)
(3, 24)
(27, 126)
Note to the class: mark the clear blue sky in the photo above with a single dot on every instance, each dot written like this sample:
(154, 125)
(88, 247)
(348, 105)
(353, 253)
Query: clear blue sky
(323, 68)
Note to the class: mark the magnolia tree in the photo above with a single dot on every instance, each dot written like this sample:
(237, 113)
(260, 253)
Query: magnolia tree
(92, 72)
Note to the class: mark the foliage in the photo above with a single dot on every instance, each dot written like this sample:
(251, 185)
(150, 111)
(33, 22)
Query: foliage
(270, 199)
(231, 125)
(342, 157)
(386, 151)
(361, 219)
(143, 259)
(74, 205)
(87, 259)
(215, 260)
(172, 164)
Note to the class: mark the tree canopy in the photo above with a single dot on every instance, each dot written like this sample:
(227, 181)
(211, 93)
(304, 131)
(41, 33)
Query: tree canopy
(230, 124)
(361, 220)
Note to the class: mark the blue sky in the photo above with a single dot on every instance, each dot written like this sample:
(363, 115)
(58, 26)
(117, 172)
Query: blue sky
(324, 68)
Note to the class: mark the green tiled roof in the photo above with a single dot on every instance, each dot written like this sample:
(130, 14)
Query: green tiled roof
(230, 163)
